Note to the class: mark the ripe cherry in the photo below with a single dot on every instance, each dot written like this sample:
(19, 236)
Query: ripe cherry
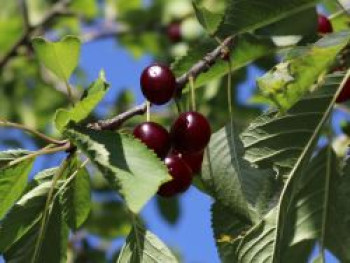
(324, 25)
(344, 94)
(181, 174)
(158, 84)
(174, 32)
(193, 160)
(154, 136)
(190, 133)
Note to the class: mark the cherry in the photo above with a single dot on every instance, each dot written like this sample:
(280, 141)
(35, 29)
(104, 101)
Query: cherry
(324, 25)
(344, 94)
(154, 136)
(174, 32)
(193, 160)
(158, 84)
(181, 174)
(190, 133)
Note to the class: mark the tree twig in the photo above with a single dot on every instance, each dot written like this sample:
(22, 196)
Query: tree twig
(8, 124)
(201, 66)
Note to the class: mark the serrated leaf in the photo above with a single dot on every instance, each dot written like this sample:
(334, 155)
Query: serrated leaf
(246, 49)
(276, 141)
(85, 106)
(286, 83)
(209, 20)
(231, 180)
(13, 180)
(247, 15)
(75, 197)
(131, 169)
(54, 243)
(142, 246)
(60, 57)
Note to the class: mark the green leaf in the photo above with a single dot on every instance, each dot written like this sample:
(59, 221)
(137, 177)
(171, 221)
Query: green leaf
(246, 49)
(286, 83)
(277, 141)
(247, 15)
(301, 24)
(13, 180)
(231, 180)
(169, 209)
(109, 220)
(75, 198)
(54, 244)
(60, 57)
(209, 20)
(85, 106)
(143, 246)
(88, 8)
(10, 155)
(228, 229)
(127, 164)
(23, 216)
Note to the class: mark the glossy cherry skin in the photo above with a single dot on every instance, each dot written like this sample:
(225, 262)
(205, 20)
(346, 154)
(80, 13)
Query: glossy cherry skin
(193, 160)
(174, 32)
(158, 84)
(154, 136)
(344, 95)
(190, 133)
(181, 174)
(324, 25)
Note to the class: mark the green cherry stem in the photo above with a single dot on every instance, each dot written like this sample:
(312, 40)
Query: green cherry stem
(148, 111)
(193, 95)
(229, 88)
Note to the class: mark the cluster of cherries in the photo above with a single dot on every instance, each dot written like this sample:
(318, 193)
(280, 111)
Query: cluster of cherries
(325, 27)
(182, 149)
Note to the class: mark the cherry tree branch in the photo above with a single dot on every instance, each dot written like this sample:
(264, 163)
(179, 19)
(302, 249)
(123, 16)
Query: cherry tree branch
(201, 66)
(58, 9)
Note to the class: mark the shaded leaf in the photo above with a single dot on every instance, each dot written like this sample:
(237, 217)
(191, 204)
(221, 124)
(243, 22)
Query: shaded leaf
(75, 197)
(231, 180)
(169, 209)
(209, 20)
(109, 220)
(247, 15)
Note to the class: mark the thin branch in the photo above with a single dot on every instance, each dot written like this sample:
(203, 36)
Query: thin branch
(25, 13)
(57, 9)
(30, 130)
(201, 66)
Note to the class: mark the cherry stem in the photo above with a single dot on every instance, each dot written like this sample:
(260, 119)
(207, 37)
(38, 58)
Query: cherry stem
(148, 111)
(193, 94)
(229, 88)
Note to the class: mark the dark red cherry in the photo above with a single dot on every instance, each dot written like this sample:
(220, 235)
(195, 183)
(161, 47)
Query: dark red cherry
(174, 32)
(154, 136)
(324, 25)
(344, 95)
(181, 174)
(158, 84)
(193, 160)
(190, 133)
